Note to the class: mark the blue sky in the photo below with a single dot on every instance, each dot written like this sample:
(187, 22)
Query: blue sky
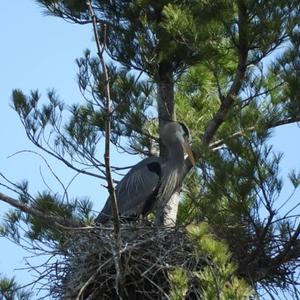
(39, 52)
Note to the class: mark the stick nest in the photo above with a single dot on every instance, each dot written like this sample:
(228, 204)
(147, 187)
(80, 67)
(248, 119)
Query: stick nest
(147, 256)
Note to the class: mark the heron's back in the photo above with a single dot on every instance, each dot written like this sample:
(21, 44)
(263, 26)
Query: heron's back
(136, 192)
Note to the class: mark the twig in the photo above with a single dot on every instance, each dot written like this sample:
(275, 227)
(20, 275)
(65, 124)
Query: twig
(50, 169)
(109, 179)
(280, 258)
(57, 156)
(37, 213)
(221, 142)
(100, 50)
(127, 93)
(228, 101)
(91, 279)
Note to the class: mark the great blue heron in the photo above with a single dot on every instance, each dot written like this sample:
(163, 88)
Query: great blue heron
(154, 178)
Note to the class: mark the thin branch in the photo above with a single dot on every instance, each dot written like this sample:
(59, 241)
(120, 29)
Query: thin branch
(287, 121)
(128, 92)
(50, 169)
(108, 110)
(263, 93)
(284, 255)
(100, 49)
(18, 188)
(228, 101)
(221, 142)
(59, 157)
(39, 214)
(91, 279)
(44, 181)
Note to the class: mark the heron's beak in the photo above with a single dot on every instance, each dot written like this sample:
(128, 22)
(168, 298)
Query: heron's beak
(189, 152)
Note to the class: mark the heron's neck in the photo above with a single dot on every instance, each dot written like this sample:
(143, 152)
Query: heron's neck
(172, 171)
(176, 156)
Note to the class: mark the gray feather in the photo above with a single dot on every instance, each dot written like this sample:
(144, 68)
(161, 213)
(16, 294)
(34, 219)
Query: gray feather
(134, 191)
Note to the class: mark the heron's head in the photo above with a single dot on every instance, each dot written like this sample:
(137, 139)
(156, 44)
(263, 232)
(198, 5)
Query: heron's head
(174, 132)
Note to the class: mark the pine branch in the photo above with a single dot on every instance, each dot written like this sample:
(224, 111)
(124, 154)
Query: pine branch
(127, 93)
(49, 168)
(59, 157)
(100, 51)
(228, 101)
(283, 122)
(116, 247)
(219, 143)
(291, 249)
(39, 214)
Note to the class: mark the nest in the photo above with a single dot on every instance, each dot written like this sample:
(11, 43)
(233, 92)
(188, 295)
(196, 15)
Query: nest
(148, 254)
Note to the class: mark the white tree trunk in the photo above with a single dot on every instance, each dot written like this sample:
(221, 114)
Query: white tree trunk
(167, 215)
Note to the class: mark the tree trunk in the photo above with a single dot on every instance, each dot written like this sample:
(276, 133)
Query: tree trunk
(166, 215)
(165, 97)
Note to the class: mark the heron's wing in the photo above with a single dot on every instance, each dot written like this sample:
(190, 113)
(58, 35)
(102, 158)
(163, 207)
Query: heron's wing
(136, 192)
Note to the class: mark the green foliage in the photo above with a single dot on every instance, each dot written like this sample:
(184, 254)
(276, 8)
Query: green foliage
(284, 73)
(130, 97)
(236, 183)
(76, 141)
(50, 205)
(294, 178)
(38, 229)
(140, 32)
(197, 26)
(196, 99)
(179, 284)
(235, 187)
(10, 290)
(217, 279)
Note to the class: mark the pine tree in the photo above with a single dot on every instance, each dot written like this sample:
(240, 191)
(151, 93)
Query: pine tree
(217, 66)
(10, 290)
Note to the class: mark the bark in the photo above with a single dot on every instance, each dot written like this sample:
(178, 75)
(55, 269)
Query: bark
(166, 101)
(165, 97)
(166, 112)
(119, 284)
(55, 220)
(168, 215)
(228, 101)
